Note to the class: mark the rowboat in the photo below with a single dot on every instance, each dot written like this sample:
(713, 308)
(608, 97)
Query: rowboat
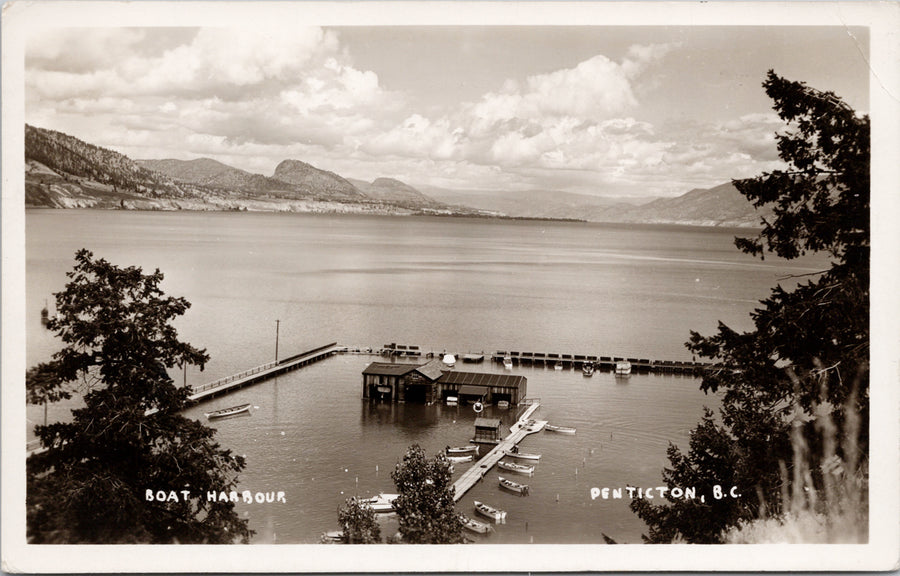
(463, 449)
(559, 429)
(587, 368)
(503, 404)
(507, 362)
(494, 514)
(456, 459)
(229, 411)
(518, 468)
(523, 455)
(513, 486)
(474, 525)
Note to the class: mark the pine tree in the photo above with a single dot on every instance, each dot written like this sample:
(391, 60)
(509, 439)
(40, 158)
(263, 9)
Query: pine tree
(805, 365)
(94, 481)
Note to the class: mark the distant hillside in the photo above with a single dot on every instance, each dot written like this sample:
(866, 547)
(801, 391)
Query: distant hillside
(209, 172)
(722, 205)
(320, 183)
(395, 192)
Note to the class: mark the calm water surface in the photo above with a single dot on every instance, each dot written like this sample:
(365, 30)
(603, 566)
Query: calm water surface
(458, 285)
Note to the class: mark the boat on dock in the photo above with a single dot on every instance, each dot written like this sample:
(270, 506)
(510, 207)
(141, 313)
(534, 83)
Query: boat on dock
(623, 368)
(514, 453)
(474, 525)
(513, 486)
(381, 503)
(449, 360)
(559, 429)
(458, 459)
(470, 449)
(488, 511)
(517, 468)
(225, 412)
(587, 369)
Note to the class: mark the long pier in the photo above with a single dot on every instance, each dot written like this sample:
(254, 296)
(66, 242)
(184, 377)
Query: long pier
(522, 428)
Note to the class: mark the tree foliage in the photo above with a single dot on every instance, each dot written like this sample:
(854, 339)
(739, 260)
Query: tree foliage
(425, 503)
(809, 349)
(357, 519)
(90, 485)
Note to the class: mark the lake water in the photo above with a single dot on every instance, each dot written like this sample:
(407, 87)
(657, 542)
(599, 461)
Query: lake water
(460, 285)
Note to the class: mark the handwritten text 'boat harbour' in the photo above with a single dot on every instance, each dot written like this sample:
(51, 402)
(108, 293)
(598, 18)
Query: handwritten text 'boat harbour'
(245, 496)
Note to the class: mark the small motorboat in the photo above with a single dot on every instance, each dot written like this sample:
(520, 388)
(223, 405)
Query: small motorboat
(503, 404)
(559, 429)
(474, 525)
(623, 368)
(507, 362)
(587, 368)
(514, 486)
(495, 514)
(449, 360)
(518, 468)
(471, 448)
(458, 459)
(380, 503)
(523, 455)
(224, 412)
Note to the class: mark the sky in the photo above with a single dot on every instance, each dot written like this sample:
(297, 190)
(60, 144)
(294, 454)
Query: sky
(617, 111)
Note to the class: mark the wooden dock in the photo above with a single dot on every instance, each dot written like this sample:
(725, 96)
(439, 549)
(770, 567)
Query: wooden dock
(603, 363)
(522, 428)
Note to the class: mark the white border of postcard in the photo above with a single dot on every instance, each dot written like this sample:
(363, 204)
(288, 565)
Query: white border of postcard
(881, 553)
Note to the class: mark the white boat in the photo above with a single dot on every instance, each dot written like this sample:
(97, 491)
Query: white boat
(488, 511)
(452, 400)
(514, 486)
(381, 502)
(523, 455)
(507, 362)
(587, 368)
(518, 468)
(558, 366)
(623, 368)
(449, 360)
(559, 429)
(457, 459)
(471, 448)
(474, 525)
(240, 409)
(503, 404)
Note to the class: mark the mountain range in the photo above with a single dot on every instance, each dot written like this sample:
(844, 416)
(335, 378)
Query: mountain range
(62, 171)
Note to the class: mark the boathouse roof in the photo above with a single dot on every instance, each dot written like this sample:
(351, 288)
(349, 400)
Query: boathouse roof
(389, 369)
(492, 423)
(468, 390)
(432, 370)
(482, 379)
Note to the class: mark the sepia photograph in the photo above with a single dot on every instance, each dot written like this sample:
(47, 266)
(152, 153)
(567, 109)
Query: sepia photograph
(536, 286)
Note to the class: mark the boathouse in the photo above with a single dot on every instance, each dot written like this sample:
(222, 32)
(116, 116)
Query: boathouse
(401, 382)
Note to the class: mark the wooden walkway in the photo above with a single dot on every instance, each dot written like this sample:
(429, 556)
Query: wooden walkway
(522, 428)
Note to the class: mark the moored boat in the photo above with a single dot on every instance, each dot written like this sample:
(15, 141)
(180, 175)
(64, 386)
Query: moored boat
(513, 486)
(240, 409)
(452, 400)
(381, 502)
(518, 468)
(457, 459)
(474, 525)
(558, 366)
(507, 362)
(471, 448)
(489, 511)
(503, 404)
(523, 455)
(587, 368)
(333, 537)
(559, 429)
(623, 368)
(449, 360)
